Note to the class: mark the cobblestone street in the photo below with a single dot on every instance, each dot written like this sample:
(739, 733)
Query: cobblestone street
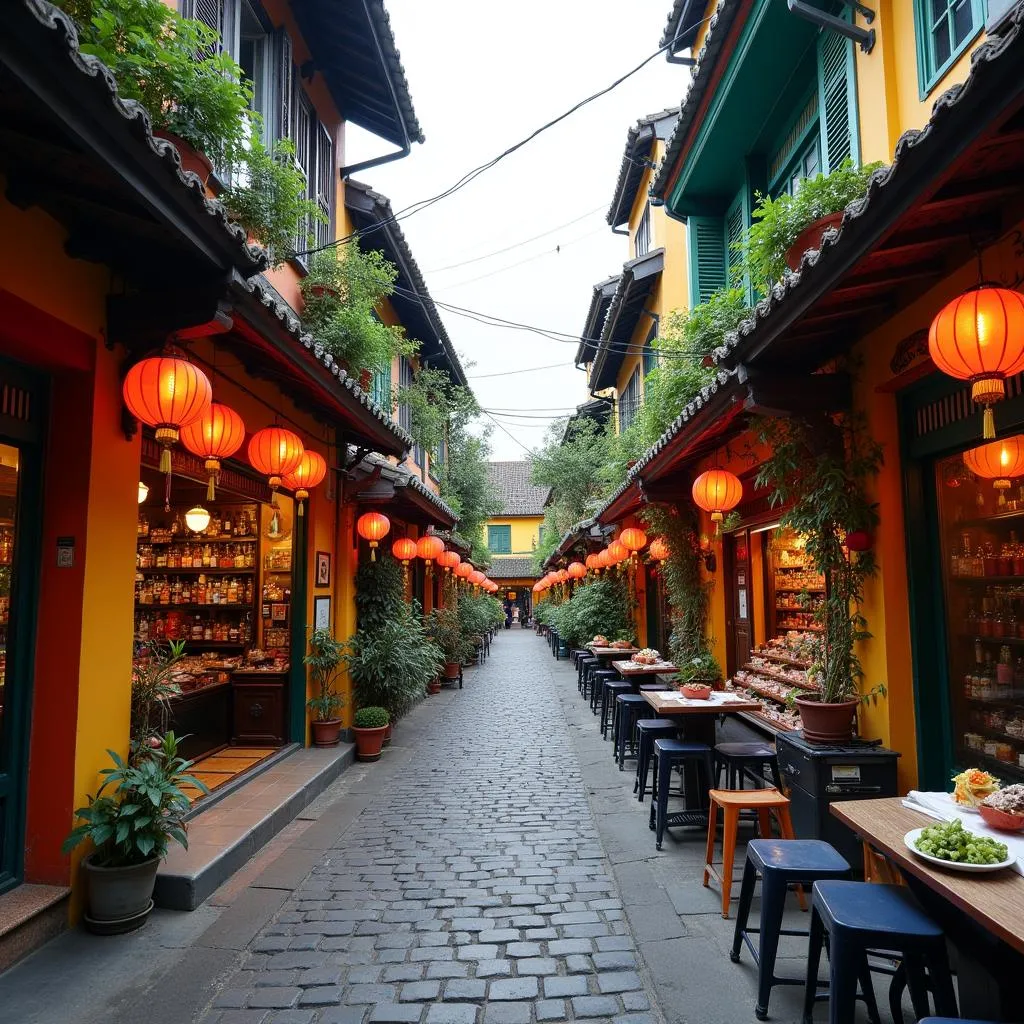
(474, 888)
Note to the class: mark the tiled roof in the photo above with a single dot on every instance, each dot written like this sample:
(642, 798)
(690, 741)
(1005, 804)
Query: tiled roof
(600, 299)
(718, 29)
(638, 150)
(512, 485)
(569, 537)
(514, 568)
(402, 477)
(683, 22)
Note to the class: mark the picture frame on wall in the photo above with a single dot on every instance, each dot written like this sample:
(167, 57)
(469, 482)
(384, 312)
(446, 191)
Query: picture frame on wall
(323, 569)
(321, 613)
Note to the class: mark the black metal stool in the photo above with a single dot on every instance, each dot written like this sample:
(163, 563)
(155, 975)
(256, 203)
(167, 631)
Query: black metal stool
(610, 689)
(746, 761)
(650, 729)
(598, 677)
(629, 707)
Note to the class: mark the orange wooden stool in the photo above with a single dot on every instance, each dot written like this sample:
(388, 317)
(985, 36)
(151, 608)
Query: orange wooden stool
(765, 802)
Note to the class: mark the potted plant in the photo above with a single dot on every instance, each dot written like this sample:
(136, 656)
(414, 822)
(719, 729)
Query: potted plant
(820, 469)
(699, 675)
(324, 659)
(789, 225)
(130, 821)
(153, 667)
(445, 628)
(369, 726)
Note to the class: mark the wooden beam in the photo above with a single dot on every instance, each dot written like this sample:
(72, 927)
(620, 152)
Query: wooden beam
(153, 317)
(775, 394)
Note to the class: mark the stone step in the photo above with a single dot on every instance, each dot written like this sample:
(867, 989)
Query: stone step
(226, 834)
(30, 915)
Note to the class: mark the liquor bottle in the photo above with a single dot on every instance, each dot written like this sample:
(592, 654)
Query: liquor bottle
(1004, 669)
(197, 627)
(226, 524)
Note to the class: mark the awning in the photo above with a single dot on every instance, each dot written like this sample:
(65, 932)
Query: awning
(375, 480)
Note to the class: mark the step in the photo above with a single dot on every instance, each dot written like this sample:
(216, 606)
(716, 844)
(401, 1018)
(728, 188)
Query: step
(224, 835)
(30, 915)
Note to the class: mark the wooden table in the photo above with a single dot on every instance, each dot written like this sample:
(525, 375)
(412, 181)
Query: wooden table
(993, 902)
(611, 652)
(698, 726)
(628, 669)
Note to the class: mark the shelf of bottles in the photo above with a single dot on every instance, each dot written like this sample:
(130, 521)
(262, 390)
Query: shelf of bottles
(797, 590)
(983, 571)
(6, 558)
(200, 588)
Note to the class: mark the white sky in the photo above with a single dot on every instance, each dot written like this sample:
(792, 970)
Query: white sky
(481, 81)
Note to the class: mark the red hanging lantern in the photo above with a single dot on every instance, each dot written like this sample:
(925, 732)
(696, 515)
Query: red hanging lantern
(633, 540)
(374, 527)
(659, 549)
(310, 472)
(275, 452)
(998, 461)
(476, 577)
(617, 552)
(591, 562)
(717, 491)
(404, 549)
(577, 570)
(463, 569)
(216, 435)
(428, 548)
(166, 393)
(859, 540)
(602, 560)
(449, 560)
(979, 337)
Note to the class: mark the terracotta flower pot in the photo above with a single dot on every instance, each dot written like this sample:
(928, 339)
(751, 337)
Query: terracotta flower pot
(320, 290)
(326, 734)
(827, 723)
(696, 691)
(387, 735)
(120, 898)
(434, 686)
(191, 158)
(451, 670)
(369, 743)
(810, 238)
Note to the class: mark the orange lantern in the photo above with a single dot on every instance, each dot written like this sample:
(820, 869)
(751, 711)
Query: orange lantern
(463, 569)
(617, 552)
(275, 452)
(404, 549)
(717, 491)
(374, 527)
(216, 435)
(633, 540)
(561, 576)
(449, 559)
(310, 472)
(998, 461)
(591, 563)
(536, 587)
(659, 549)
(428, 548)
(167, 393)
(602, 560)
(476, 577)
(979, 337)
(577, 570)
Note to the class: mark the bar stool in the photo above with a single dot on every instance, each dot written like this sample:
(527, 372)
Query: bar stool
(598, 677)
(610, 689)
(746, 760)
(952, 1020)
(781, 863)
(585, 659)
(669, 754)
(765, 802)
(862, 916)
(628, 709)
(648, 730)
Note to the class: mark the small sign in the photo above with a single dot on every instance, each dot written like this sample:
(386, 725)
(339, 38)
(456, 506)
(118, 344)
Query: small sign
(743, 604)
(846, 773)
(65, 552)
(741, 579)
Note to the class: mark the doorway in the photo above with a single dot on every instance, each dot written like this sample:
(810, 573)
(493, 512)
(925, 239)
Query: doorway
(739, 617)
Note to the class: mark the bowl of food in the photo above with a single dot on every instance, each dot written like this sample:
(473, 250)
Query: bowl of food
(696, 691)
(600, 640)
(972, 786)
(1004, 809)
(648, 656)
(621, 645)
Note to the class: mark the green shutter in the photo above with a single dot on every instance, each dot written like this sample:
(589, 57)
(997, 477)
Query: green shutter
(735, 223)
(837, 100)
(706, 239)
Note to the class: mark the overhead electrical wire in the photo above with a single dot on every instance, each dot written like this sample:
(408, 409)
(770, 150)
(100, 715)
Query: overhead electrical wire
(503, 428)
(506, 373)
(422, 204)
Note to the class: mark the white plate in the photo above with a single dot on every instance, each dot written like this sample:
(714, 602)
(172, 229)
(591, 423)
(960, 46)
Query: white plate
(962, 807)
(911, 837)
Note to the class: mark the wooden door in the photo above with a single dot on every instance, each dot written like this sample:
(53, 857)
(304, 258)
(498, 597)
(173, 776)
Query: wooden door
(739, 613)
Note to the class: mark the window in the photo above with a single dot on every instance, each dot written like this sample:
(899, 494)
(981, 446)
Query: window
(629, 401)
(705, 239)
(642, 241)
(650, 353)
(380, 389)
(253, 54)
(499, 540)
(735, 225)
(404, 381)
(944, 29)
(806, 165)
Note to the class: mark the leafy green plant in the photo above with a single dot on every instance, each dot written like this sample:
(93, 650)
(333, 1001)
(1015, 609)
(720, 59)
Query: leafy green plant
(138, 809)
(268, 198)
(466, 485)
(444, 626)
(434, 403)
(371, 718)
(153, 668)
(174, 67)
(340, 296)
(325, 659)
(779, 221)
(600, 605)
(392, 662)
(380, 592)
(821, 470)
(702, 667)
(544, 613)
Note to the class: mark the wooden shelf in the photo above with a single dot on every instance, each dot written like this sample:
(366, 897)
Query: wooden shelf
(987, 580)
(779, 678)
(997, 517)
(798, 629)
(811, 590)
(193, 607)
(997, 766)
(762, 721)
(200, 539)
(198, 572)
(785, 659)
(225, 645)
(998, 641)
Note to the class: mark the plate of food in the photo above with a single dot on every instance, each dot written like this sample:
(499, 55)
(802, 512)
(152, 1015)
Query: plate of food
(648, 656)
(970, 787)
(948, 844)
(1004, 809)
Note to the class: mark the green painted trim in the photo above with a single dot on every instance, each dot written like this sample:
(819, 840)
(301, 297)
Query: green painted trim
(297, 673)
(927, 79)
(800, 145)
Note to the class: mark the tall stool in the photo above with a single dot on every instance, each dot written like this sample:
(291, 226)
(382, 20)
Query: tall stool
(669, 754)
(598, 677)
(582, 679)
(628, 709)
(781, 863)
(862, 916)
(610, 689)
(765, 802)
(746, 760)
(648, 730)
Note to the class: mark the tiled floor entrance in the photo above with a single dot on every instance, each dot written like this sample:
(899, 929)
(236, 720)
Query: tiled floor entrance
(224, 766)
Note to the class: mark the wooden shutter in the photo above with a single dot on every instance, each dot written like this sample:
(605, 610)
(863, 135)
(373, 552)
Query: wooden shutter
(324, 183)
(284, 86)
(837, 100)
(302, 128)
(735, 223)
(706, 241)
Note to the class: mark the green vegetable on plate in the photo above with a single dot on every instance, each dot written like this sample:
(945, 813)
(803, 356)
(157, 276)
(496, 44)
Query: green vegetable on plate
(951, 841)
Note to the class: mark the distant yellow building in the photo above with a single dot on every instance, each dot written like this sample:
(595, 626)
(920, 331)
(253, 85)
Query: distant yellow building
(513, 534)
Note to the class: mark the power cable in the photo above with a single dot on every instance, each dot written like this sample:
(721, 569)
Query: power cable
(502, 427)
(507, 373)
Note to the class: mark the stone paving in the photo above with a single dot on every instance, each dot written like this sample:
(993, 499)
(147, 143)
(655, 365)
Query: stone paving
(473, 890)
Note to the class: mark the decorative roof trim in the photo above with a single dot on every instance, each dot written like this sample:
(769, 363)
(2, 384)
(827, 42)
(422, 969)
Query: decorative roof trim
(403, 477)
(639, 139)
(600, 297)
(681, 16)
(386, 38)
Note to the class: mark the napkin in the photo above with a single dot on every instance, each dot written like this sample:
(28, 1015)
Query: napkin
(941, 806)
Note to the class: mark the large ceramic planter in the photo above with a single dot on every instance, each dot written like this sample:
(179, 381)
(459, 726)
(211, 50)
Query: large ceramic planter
(326, 734)
(120, 899)
(810, 238)
(451, 670)
(387, 735)
(434, 686)
(827, 723)
(191, 159)
(369, 743)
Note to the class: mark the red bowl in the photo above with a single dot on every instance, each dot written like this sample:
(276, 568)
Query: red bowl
(695, 691)
(1001, 819)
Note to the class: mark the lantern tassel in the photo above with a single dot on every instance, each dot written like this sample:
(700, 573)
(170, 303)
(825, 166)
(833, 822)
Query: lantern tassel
(988, 422)
(211, 493)
(373, 554)
(165, 461)
(301, 506)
